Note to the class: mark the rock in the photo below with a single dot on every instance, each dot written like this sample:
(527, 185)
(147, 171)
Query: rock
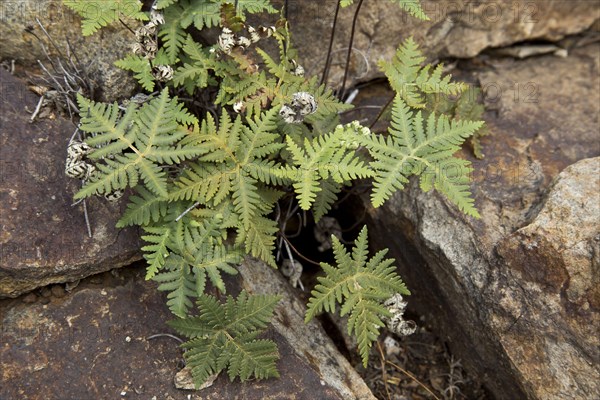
(77, 347)
(459, 29)
(516, 291)
(95, 53)
(43, 239)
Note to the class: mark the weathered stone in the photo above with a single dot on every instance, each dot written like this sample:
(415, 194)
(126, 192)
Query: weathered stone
(516, 291)
(458, 28)
(94, 343)
(43, 239)
(95, 53)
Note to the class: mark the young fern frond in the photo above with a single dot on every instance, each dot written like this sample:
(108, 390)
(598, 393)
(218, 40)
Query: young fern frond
(359, 286)
(412, 81)
(224, 336)
(322, 158)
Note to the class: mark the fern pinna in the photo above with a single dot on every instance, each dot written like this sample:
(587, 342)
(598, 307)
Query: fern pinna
(204, 190)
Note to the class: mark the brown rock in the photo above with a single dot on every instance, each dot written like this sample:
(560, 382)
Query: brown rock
(97, 52)
(93, 344)
(459, 29)
(517, 290)
(43, 239)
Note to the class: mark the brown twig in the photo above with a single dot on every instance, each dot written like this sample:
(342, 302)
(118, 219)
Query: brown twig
(414, 378)
(329, 51)
(383, 370)
(347, 69)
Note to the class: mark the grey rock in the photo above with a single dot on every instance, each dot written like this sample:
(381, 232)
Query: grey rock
(43, 239)
(517, 290)
(460, 29)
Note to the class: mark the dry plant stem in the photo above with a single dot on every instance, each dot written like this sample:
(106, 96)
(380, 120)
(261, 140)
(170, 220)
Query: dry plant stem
(300, 254)
(164, 335)
(383, 370)
(329, 51)
(414, 378)
(347, 69)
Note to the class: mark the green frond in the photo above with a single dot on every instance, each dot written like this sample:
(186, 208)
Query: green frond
(322, 158)
(413, 7)
(141, 68)
(143, 209)
(411, 148)
(102, 13)
(156, 251)
(251, 6)
(179, 282)
(412, 81)
(360, 286)
(258, 238)
(245, 197)
(172, 33)
(201, 13)
(195, 74)
(224, 337)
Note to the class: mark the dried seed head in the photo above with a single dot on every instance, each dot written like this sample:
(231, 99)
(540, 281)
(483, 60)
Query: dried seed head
(239, 107)
(114, 196)
(243, 42)
(304, 102)
(163, 73)
(78, 150)
(289, 115)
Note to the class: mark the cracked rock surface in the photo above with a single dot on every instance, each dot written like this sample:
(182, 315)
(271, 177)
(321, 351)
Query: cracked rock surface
(518, 290)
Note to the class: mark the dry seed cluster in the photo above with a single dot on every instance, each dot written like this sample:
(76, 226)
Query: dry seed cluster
(147, 45)
(303, 104)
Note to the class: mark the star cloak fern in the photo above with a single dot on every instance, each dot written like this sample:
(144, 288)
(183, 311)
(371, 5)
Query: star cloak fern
(225, 336)
(360, 286)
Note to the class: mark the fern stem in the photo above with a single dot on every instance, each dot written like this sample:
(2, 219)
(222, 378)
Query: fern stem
(329, 51)
(381, 112)
(347, 69)
(196, 204)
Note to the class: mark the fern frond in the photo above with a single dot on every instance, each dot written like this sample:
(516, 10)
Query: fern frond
(143, 209)
(141, 68)
(156, 251)
(258, 238)
(360, 286)
(224, 336)
(325, 156)
(412, 81)
(139, 142)
(179, 282)
(412, 148)
(172, 32)
(413, 7)
(102, 13)
(202, 13)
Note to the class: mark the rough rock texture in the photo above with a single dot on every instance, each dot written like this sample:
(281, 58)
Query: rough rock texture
(517, 290)
(43, 239)
(96, 53)
(460, 29)
(94, 344)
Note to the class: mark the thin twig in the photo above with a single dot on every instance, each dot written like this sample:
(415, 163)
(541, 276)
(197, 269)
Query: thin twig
(50, 38)
(414, 378)
(87, 219)
(347, 69)
(37, 109)
(196, 204)
(381, 112)
(383, 370)
(299, 254)
(328, 60)
(164, 335)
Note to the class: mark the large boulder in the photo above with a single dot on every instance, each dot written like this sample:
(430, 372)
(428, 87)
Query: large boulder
(43, 238)
(517, 290)
(108, 339)
(459, 29)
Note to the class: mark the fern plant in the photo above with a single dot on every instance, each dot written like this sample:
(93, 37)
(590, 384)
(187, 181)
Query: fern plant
(360, 286)
(206, 185)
